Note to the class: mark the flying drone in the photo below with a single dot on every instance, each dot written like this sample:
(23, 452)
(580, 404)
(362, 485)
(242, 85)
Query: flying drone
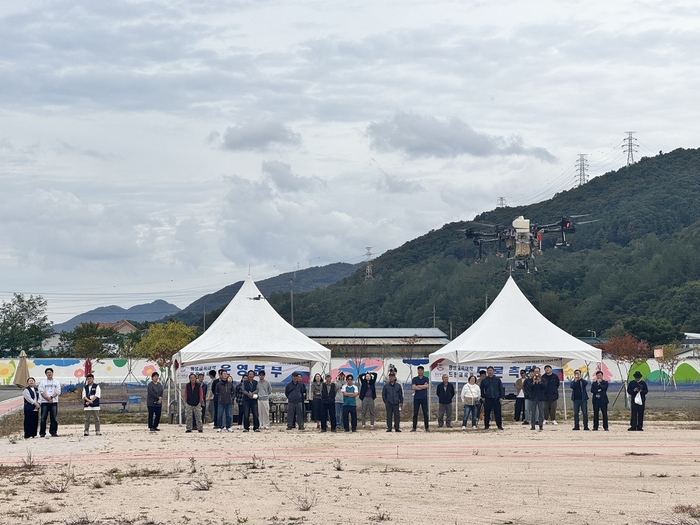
(522, 240)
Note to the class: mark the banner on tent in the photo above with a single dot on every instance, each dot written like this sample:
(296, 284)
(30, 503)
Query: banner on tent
(274, 372)
(508, 371)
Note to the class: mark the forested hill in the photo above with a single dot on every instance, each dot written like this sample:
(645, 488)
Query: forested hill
(305, 280)
(640, 259)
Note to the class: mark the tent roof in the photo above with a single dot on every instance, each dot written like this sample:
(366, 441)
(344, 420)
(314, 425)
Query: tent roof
(512, 328)
(250, 328)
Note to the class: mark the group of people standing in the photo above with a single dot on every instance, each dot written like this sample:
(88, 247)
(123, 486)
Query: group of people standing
(334, 403)
(41, 405)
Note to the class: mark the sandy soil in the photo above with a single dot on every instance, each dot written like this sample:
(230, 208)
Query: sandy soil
(129, 475)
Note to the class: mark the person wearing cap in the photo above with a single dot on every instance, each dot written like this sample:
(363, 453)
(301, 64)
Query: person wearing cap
(296, 394)
(633, 388)
(203, 404)
(328, 404)
(392, 395)
(599, 393)
(264, 392)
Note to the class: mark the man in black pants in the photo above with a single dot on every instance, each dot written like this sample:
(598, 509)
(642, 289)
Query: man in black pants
(637, 387)
(250, 402)
(492, 393)
(420, 386)
(328, 404)
(599, 393)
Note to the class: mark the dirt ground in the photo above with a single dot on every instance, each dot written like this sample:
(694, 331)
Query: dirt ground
(517, 476)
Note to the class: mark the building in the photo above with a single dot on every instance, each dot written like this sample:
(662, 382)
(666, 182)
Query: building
(407, 343)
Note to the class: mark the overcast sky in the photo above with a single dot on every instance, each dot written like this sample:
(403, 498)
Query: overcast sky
(159, 149)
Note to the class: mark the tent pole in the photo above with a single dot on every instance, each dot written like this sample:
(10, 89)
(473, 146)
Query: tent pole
(563, 389)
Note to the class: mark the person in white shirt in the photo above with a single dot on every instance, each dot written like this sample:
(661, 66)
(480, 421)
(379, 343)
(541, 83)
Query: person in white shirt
(91, 403)
(264, 391)
(49, 390)
(471, 395)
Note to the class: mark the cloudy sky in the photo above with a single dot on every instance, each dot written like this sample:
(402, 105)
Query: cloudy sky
(159, 149)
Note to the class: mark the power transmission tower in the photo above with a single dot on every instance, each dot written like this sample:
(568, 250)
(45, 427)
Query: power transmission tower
(501, 202)
(368, 266)
(582, 165)
(630, 147)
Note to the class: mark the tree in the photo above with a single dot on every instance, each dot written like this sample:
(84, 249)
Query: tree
(407, 350)
(625, 351)
(89, 341)
(164, 340)
(668, 362)
(23, 325)
(654, 330)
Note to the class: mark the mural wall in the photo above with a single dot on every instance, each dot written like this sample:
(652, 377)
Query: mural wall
(138, 371)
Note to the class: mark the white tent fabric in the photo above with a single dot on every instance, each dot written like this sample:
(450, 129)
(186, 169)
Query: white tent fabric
(249, 328)
(511, 328)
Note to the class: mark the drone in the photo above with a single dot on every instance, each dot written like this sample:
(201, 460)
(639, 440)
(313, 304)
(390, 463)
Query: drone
(522, 240)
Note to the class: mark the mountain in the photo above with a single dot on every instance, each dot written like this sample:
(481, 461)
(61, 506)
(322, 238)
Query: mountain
(111, 314)
(304, 281)
(639, 259)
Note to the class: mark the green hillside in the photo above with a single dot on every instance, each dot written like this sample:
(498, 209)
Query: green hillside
(640, 259)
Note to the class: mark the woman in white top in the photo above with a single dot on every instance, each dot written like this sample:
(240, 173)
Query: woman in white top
(471, 395)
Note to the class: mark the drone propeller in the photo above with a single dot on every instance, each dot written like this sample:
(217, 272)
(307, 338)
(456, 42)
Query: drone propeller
(579, 216)
(588, 222)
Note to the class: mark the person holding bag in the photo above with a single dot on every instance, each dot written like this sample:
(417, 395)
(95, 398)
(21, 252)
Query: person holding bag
(638, 389)
(31, 409)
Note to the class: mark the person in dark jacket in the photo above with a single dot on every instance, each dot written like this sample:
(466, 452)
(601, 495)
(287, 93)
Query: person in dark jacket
(633, 388)
(214, 403)
(31, 409)
(250, 402)
(193, 395)
(492, 393)
(527, 383)
(551, 394)
(154, 402)
(368, 393)
(296, 394)
(445, 393)
(599, 393)
(536, 400)
(224, 407)
(392, 395)
(579, 396)
(328, 404)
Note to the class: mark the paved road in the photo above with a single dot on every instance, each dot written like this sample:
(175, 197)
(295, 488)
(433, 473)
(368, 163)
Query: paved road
(9, 393)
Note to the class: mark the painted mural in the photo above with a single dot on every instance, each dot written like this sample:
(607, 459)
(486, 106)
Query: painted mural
(138, 371)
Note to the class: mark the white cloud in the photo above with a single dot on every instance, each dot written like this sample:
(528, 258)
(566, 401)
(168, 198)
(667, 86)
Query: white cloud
(257, 136)
(426, 136)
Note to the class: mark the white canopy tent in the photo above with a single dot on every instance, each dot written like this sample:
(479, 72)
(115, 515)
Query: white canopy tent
(249, 328)
(512, 329)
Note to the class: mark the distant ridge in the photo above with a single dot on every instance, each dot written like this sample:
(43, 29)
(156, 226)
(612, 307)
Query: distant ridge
(111, 314)
(306, 280)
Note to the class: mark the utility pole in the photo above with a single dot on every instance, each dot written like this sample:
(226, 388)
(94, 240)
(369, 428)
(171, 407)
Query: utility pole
(630, 147)
(486, 302)
(291, 297)
(205, 319)
(582, 165)
(433, 316)
(368, 266)
(501, 203)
